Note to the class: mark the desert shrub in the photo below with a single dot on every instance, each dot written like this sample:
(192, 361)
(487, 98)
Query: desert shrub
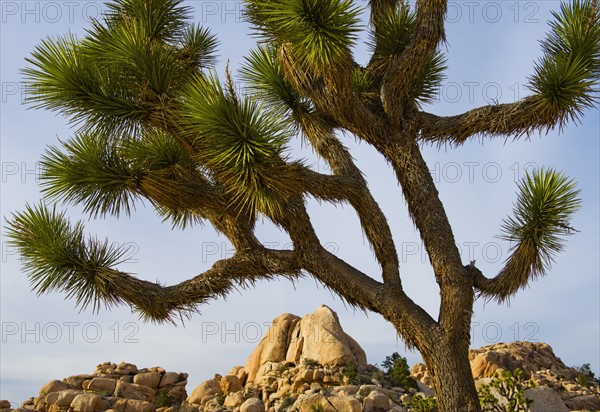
(286, 404)
(419, 403)
(398, 372)
(585, 376)
(163, 400)
(351, 373)
(310, 363)
(511, 393)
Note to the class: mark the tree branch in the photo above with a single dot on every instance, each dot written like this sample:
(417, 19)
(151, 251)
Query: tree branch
(428, 214)
(160, 303)
(511, 119)
(352, 285)
(339, 104)
(381, 7)
(372, 220)
(401, 73)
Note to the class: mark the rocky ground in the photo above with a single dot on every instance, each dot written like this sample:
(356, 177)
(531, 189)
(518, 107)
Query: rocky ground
(305, 364)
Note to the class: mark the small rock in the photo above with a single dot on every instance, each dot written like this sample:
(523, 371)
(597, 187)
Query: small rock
(346, 404)
(63, 398)
(126, 369)
(425, 390)
(204, 391)
(168, 379)
(149, 379)
(53, 386)
(230, 383)
(87, 402)
(132, 391)
(136, 405)
(101, 385)
(380, 402)
(234, 400)
(545, 399)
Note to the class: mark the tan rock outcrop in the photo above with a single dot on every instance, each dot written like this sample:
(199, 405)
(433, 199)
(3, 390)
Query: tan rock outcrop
(317, 337)
(273, 347)
(206, 390)
(149, 379)
(545, 399)
(528, 356)
(252, 405)
(87, 402)
(52, 386)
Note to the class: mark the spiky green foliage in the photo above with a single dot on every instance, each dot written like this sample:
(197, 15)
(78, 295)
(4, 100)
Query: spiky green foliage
(565, 77)
(68, 80)
(104, 174)
(90, 171)
(547, 199)
(426, 85)
(420, 403)
(241, 142)
(198, 47)
(391, 34)
(158, 19)
(266, 79)
(320, 32)
(57, 256)
(125, 71)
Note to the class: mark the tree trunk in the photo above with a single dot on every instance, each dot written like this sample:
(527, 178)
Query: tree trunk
(450, 370)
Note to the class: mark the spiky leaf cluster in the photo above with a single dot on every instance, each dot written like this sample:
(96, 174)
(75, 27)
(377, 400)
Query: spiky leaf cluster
(391, 34)
(565, 77)
(125, 71)
(264, 74)
(241, 142)
(320, 33)
(546, 201)
(58, 257)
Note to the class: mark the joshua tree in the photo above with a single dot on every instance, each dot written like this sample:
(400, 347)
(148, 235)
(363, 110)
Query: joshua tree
(155, 122)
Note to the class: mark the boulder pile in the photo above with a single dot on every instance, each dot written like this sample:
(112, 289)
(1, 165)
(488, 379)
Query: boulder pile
(304, 365)
(118, 388)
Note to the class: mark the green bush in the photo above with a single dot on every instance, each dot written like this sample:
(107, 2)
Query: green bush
(310, 363)
(398, 372)
(351, 373)
(419, 403)
(286, 404)
(162, 399)
(585, 376)
(511, 388)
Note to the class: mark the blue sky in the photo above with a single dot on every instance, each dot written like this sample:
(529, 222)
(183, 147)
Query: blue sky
(492, 46)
